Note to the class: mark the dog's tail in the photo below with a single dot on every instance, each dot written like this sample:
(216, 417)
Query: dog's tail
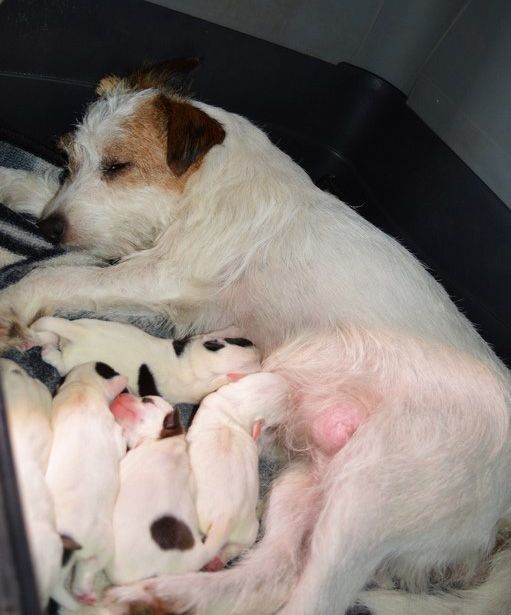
(490, 597)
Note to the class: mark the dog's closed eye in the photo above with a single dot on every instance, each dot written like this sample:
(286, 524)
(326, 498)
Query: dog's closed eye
(111, 168)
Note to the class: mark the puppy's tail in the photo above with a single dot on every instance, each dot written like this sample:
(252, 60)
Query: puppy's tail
(491, 597)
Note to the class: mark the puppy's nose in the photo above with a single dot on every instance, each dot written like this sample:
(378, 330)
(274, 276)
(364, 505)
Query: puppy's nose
(52, 227)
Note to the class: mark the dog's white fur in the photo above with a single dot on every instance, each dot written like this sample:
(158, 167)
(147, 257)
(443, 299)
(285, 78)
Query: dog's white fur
(186, 376)
(28, 404)
(251, 240)
(156, 482)
(83, 469)
(224, 459)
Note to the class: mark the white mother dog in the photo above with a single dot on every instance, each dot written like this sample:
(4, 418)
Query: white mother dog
(212, 225)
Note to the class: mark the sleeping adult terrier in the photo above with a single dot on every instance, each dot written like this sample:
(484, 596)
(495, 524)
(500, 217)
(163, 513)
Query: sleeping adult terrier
(210, 224)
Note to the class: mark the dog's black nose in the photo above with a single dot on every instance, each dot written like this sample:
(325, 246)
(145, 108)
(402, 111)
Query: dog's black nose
(52, 227)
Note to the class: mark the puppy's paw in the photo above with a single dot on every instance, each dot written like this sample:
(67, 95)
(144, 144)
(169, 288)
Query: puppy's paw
(212, 357)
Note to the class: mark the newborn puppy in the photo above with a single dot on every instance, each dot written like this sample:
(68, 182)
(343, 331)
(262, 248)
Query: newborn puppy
(179, 370)
(223, 455)
(155, 522)
(83, 468)
(28, 405)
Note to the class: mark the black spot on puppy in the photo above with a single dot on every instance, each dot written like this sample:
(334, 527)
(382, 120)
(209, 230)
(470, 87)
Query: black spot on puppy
(171, 425)
(213, 346)
(70, 545)
(146, 383)
(147, 400)
(171, 533)
(238, 341)
(105, 371)
(180, 345)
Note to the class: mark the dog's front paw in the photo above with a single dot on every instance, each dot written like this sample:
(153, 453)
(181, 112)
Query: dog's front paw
(14, 332)
(212, 357)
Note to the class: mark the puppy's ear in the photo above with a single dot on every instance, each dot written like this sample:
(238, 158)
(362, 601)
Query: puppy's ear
(191, 133)
(171, 425)
(169, 76)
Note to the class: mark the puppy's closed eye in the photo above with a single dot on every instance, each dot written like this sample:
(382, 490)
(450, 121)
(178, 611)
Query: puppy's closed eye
(112, 168)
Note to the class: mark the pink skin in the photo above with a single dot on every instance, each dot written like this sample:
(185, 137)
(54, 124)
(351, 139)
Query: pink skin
(256, 429)
(87, 599)
(333, 427)
(214, 565)
(122, 410)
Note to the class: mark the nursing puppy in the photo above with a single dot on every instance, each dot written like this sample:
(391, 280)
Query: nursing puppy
(28, 405)
(230, 230)
(224, 459)
(83, 469)
(155, 522)
(182, 370)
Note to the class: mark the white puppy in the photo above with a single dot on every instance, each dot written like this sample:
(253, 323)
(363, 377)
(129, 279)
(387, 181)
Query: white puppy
(28, 404)
(223, 455)
(179, 370)
(210, 224)
(83, 468)
(155, 522)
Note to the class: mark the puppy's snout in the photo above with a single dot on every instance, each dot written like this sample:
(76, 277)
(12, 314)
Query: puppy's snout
(53, 227)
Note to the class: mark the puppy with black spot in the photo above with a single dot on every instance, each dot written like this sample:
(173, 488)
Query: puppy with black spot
(182, 370)
(155, 523)
(28, 405)
(224, 459)
(83, 469)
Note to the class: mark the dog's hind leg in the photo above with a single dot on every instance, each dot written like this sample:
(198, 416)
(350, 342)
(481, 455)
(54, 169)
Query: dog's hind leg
(384, 498)
(260, 583)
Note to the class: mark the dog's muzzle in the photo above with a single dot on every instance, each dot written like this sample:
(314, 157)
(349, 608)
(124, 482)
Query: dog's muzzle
(53, 227)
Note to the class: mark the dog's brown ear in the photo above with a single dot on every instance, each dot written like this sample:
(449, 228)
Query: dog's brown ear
(170, 76)
(191, 133)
